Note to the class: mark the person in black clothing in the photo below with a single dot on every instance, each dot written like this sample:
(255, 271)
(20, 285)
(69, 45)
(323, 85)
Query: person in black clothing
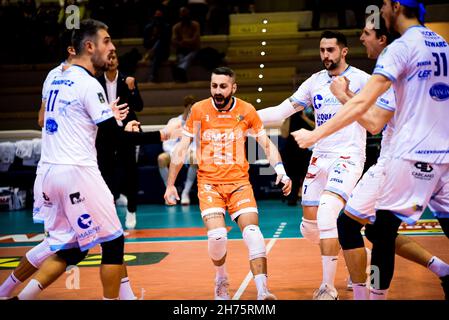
(157, 40)
(296, 160)
(117, 162)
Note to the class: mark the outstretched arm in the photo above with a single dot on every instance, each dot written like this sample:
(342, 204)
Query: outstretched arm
(176, 162)
(278, 113)
(275, 160)
(350, 112)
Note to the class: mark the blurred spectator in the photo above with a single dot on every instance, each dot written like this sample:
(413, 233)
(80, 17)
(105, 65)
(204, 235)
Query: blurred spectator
(217, 19)
(243, 6)
(117, 162)
(198, 11)
(169, 145)
(156, 40)
(186, 41)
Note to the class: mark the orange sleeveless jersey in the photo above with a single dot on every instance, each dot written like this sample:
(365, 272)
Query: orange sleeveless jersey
(220, 140)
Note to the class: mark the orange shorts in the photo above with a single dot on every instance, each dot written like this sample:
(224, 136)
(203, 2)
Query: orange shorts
(237, 198)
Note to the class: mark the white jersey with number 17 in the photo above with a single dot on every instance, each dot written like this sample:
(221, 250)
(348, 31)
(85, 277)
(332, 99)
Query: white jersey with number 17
(75, 104)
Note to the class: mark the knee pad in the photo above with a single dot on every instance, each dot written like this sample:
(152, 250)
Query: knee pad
(217, 240)
(370, 232)
(254, 241)
(37, 255)
(72, 256)
(349, 234)
(112, 251)
(309, 230)
(328, 211)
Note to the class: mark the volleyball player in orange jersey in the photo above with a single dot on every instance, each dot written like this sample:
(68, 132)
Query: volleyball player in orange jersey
(219, 126)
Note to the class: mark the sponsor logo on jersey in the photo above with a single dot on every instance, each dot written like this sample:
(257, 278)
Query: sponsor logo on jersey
(84, 221)
(424, 74)
(239, 118)
(75, 198)
(51, 126)
(424, 63)
(101, 97)
(439, 44)
(337, 180)
(44, 195)
(68, 83)
(217, 136)
(425, 171)
(439, 92)
(317, 101)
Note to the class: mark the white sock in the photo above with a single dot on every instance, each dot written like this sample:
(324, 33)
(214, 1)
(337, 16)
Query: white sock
(31, 291)
(438, 266)
(221, 271)
(164, 174)
(329, 269)
(191, 175)
(360, 291)
(375, 294)
(110, 299)
(261, 283)
(126, 293)
(9, 285)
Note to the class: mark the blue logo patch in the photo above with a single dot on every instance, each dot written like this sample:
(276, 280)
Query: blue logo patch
(51, 126)
(84, 221)
(439, 91)
(316, 101)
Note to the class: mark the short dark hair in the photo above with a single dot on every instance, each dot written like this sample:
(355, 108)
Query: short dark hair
(382, 30)
(224, 71)
(341, 38)
(87, 31)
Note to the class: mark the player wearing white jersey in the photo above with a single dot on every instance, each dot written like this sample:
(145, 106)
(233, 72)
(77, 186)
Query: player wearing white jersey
(418, 172)
(359, 209)
(81, 210)
(337, 161)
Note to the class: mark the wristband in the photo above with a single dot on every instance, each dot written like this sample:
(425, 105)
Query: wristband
(279, 168)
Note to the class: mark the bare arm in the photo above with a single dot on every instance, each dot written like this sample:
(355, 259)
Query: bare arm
(278, 113)
(375, 118)
(41, 115)
(176, 162)
(275, 160)
(350, 112)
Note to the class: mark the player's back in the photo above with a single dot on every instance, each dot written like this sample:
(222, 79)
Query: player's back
(418, 65)
(75, 103)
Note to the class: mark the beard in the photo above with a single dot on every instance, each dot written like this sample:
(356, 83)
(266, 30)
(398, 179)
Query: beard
(99, 64)
(332, 66)
(221, 101)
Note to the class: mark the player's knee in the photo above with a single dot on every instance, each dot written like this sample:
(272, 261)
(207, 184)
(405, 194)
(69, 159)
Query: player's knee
(72, 256)
(349, 234)
(112, 251)
(309, 230)
(328, 211)
(217, 240)
(254, 241)
(385, 228)
(163, 160)
(38, 254)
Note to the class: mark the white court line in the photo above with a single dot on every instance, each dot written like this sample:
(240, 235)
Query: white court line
(249, 276)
